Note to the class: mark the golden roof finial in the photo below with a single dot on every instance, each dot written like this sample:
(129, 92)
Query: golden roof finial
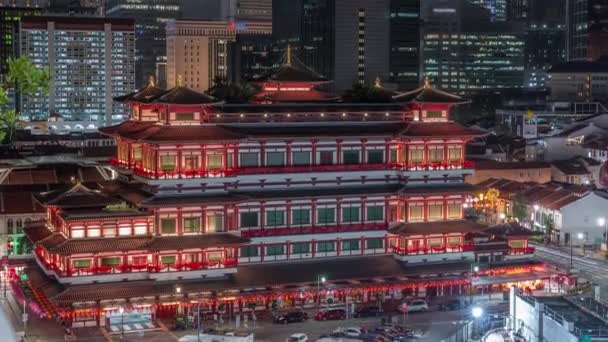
(427, 83)
(180, 81)
(377, 82)
(288, 54)
(151, 81)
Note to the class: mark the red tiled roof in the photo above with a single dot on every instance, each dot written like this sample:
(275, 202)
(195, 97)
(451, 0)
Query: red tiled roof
(160, 243)
(427, 94)
(96, 245)
(439, 227)
(185, 96)
(145, 94)
(77, 197)
(37, 232)
(439, 129)
(510, 229)
(152, 132)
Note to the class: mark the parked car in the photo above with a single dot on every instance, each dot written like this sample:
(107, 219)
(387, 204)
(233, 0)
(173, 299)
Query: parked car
(417, 305)
(291, 317)
(331, 314)
(369, 311)
(452, 305)
(298, 338)
(349, 332)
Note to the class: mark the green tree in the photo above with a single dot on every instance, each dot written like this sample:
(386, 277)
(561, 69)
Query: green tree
(520, 208)
(549, 226)
(367, 93)
(25, 78)
(230, 92)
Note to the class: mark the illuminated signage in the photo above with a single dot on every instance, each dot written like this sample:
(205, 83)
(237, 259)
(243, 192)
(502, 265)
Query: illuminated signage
(237, 26)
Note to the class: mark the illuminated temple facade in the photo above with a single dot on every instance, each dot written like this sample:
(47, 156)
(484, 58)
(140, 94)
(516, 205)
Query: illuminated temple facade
(206, 186)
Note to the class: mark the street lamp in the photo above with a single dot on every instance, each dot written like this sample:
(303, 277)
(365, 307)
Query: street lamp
(320, 280)
(477, 312)
(474, 270)
(580, 236)
(502, 216)
(122, 328)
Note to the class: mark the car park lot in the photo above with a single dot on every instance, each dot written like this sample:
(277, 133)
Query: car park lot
(432, 325)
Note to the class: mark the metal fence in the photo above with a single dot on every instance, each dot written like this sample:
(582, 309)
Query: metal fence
(463, 334)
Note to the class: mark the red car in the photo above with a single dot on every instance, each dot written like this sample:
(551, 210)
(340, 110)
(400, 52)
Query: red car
(332, 314)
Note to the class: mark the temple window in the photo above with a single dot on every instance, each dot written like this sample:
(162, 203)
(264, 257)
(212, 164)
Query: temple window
(433, 114)
(416, 154)
(454, 210)
(137, 153)
(375, 156)
(326, 246)
(93, 231)
(393, 155)
(248, 159)
(139, 260)
(350, 245)
(215, 223)
(275, 158)
(326, 157)
(275, 218)
(301, 158)
(192, 224)
(249, 251)
(416, 212)
(168, 226)
(454, 241)
(249, 220)
(190, 257)
(300, 248)
(109, 229)
(125, 229)
(517, 244)
(374, 243)
(455, 153)
(300, 217)
(141, 229)
(123, 152)
(168, 259)
(81, 263)
(149, 160)
(109, 261)
(350, 157)
(435, 154)
(326, 215)
(375, 213)
(214, 160)
(435, 242)
(184, 116)
(9, 225)
(275, 250)
(190, 162)
(435, 211)
(77, 232)
(167, 162)
(350, 214)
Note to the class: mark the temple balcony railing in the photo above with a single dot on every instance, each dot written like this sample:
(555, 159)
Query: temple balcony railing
(432, 250)
(521, 251)
(150, 268)
(264, 170)
(271, 231)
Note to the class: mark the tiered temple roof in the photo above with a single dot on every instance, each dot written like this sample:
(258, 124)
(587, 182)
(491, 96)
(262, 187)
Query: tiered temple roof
(428, 94)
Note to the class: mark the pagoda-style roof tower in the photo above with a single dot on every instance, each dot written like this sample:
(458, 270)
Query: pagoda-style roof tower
(428, 103)
(292, 82)
(145, 94)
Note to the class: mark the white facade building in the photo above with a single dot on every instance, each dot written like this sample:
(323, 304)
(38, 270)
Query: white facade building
(90, 60)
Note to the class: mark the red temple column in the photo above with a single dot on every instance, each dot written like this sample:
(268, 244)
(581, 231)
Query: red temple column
(362, 245)
(445, 208)
(446, 158)
(288, 214)
(288, 248)
(262, 213)
(338, 211)
(288, 153)
(313, 157)
(180, 228)
(313, 212)
(203, 168)
(387, 152)
(339, 151)
(179, 161)
(363, 150)
(363, 211)
(262, 153)
(406, 160)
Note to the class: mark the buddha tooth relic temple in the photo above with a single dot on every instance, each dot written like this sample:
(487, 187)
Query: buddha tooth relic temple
(240, 207)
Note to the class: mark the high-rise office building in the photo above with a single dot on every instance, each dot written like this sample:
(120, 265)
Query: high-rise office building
(11, 12)
(405, 22)
(545, 47)
(348, 41)
(90, 60)
(497, 8)
(150, 20)
(465, 52)
(245, 10)
(201, 51)
(587, 27)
